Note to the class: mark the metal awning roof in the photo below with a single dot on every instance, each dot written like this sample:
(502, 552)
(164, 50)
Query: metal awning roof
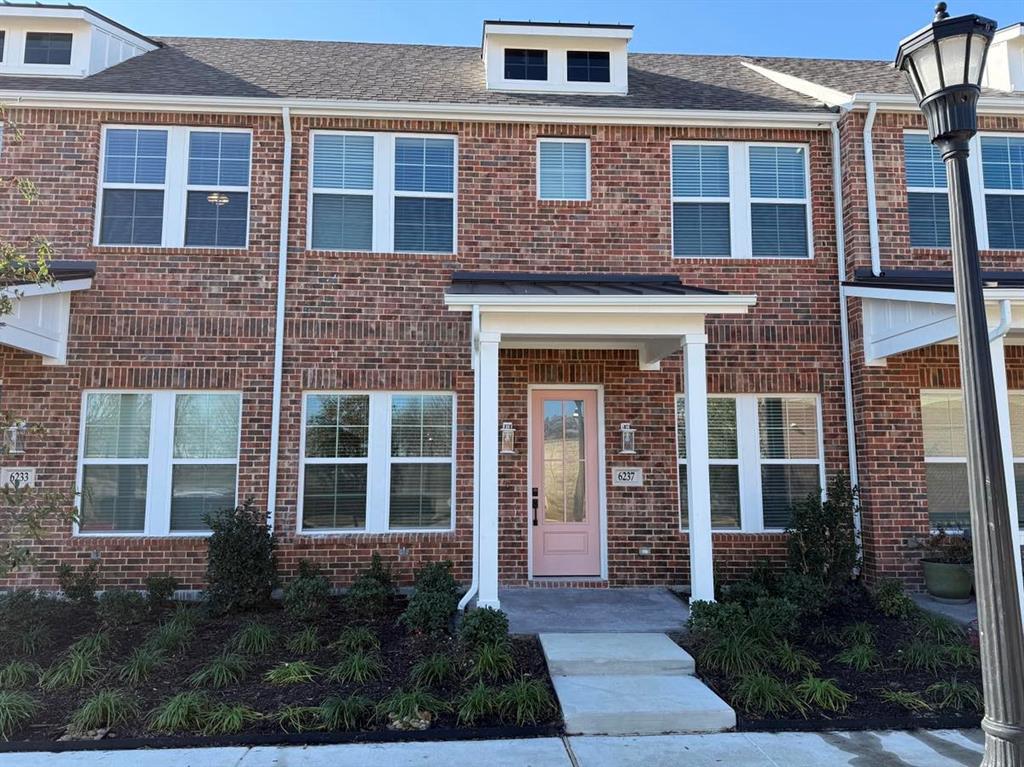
(571, 284)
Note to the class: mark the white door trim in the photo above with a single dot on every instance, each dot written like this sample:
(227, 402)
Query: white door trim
(602, 477)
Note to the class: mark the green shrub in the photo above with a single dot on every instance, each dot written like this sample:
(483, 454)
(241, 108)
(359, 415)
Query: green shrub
(226, 669)
(241, 569)
(822, 538)
(922, 655)
(429, 612)
(343, 714)
(483, 625)
(17, 674)
(433, 670)
(808, 593)
(305, 641)
(120, 608)
(713, 619)
(355, 638)
(745, 592)
(372, 592)
(907, 699)
(184, 712)
(859, 657)
(228, 719)
(956, 695)
(141, 664)
(492, 661)
(16, 709)
(80, 586)
(890, 600)
(734, 653)
(254, 638)
(306, 596)
(824, 694)
(292, 672)
(774, 618)
(359, 666)
(763, 694)
(525, 701)
(476, 703)
(104, 709)
(160, 589)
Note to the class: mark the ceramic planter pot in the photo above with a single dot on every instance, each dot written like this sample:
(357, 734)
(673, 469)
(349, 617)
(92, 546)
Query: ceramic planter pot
(948, 582)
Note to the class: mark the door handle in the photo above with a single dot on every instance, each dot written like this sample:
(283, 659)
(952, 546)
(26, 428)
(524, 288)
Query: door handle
(536, 505)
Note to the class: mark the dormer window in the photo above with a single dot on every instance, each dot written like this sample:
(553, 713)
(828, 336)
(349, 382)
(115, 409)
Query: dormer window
(526, 64)
(588, 66)
(48, 48)
(3, 39)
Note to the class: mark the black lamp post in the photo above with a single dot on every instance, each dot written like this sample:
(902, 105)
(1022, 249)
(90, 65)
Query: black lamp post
(943, 63)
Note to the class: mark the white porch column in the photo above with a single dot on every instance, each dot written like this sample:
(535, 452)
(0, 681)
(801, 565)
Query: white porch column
(702, 579)
(487, 423)
(998, 347)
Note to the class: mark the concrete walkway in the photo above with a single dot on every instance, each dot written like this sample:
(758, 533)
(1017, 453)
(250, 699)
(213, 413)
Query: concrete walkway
(964, 614)
(938, 748)
(573, 611)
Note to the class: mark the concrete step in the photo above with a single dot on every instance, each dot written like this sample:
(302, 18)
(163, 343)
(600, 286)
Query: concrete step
(640, 705)
(620, 654)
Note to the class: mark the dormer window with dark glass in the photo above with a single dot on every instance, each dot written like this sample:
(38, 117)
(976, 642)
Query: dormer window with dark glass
(3, 35)
(588, 67)
(526, 64)
(48, 48)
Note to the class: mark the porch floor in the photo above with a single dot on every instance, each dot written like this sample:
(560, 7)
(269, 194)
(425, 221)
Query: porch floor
(576, 611)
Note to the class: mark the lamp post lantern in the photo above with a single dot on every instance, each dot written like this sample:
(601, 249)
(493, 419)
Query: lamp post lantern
(943, 63)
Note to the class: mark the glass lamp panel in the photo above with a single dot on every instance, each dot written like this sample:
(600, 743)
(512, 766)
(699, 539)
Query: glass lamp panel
(926, 61)
(979, 44)
(953, 53)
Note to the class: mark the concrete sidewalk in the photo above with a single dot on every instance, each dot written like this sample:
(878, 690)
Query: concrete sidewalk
(918, 748)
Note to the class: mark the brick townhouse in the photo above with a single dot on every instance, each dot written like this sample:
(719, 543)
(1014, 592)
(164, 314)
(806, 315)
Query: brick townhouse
(552, 309)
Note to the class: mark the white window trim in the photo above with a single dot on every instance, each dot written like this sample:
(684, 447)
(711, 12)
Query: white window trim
(384, 192)
(740, 200)
(749, 460)
(159, 463)
(175, 186)
(560, 140)
(378, 461)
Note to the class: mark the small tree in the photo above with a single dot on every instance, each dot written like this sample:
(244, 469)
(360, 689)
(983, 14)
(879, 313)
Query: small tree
(822, 537)
(241, 570)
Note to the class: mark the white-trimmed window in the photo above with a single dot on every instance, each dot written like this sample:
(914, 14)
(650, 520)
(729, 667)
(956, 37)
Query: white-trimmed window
(927, 195)
(945, 455)
(174, 187)
(740, 200)
(377, 462)
(1002, 166)
(563, 169)
(156, 462)
(382, 192)
(765, 454)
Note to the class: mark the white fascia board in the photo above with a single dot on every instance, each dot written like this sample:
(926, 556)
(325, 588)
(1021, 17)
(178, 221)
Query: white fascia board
(702, 304)
(930, 296)
(76, 14)
(47, 289)
(822, 93)
(555, 30)
(898, 102)
(424, 111)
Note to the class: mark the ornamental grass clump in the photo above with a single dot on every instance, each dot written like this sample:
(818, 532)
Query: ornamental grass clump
(292, 672)
(17, 674)
(104, 710)
(358, 667)
(956, 695)
(734, 653)
(305, 641)
(16, 710)
(525, 701)
(295, 718)
(922, 655)
(907, 699)
(78, 667)
(184, 712)
(762, 694)
(476, 703)
(859, 657)
(254, 638)
(492, 662)
(433, 670)
(356, 638)
(409, 706)
(345, 714)
(223, 670)
(793, 660)
(824, 694)
(228, 719)
(141, 664)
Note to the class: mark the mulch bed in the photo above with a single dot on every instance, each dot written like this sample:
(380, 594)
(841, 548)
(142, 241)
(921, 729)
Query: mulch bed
(399, 651)
(867, 711)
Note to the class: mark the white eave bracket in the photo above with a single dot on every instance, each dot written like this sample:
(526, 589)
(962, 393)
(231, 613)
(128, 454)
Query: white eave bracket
(41, 318)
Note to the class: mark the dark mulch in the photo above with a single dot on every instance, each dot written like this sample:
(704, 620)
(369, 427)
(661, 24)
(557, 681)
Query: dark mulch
(400, 650)
(868, 710)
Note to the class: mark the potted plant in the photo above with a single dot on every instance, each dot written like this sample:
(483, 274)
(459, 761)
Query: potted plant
(948, 563)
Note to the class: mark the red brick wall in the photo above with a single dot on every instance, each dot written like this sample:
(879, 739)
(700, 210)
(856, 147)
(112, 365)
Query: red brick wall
(887, 403)
(186, 318)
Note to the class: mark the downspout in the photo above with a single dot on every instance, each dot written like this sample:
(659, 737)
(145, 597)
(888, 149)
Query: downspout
(282, 273)
(1003, 327)
(869, 173)
(474, 584)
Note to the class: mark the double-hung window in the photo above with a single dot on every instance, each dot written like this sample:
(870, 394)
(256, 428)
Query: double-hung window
(377, 462)
(174, 187)
(927, 197)
(740, 200)
(156, 463)
(945, 455)
(1002, 166)
(563, 169)
(48, 48)
(382, 192)
(765, 455)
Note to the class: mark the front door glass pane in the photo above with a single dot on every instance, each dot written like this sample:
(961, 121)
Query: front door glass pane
(564, 462)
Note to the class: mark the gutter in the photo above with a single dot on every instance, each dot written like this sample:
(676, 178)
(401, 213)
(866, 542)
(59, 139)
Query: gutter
(869, 173)
(474, 584)
(282, 273)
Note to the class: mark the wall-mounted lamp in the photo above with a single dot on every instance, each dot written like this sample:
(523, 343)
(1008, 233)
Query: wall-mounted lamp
(508, 438)
(628, 439)
(14, 438)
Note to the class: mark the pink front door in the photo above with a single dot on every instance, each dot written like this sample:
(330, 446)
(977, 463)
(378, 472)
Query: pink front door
(564, 470)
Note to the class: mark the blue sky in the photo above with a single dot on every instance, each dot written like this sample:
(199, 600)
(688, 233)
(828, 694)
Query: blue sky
(816, 28)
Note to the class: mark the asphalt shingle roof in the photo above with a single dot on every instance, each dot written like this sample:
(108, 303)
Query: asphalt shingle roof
(191, 66)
